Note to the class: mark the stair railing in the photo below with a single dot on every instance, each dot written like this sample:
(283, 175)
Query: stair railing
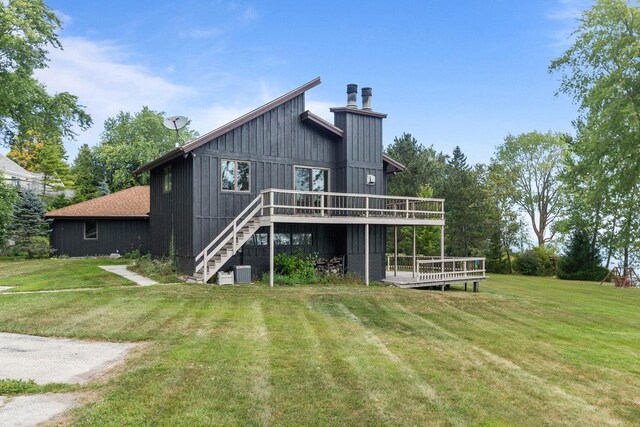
(230, 232)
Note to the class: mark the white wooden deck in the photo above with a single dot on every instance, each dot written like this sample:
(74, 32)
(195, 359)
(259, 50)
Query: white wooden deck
(344, 208)
(434, 271)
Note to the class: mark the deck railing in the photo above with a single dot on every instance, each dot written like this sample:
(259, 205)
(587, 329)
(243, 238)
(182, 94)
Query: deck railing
(437, 270)
(326, 204)
(405, 262)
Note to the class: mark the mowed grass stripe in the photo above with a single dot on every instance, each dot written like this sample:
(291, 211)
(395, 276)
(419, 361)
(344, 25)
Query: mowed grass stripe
(534, 352)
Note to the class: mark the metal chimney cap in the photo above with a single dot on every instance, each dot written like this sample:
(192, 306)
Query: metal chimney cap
(352, 88)
(367, 91)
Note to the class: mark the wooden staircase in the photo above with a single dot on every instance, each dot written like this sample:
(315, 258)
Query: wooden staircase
(229, 241)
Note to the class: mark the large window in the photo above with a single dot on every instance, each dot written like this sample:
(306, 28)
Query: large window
(91, 230)
(166, 179)
(236, 175)
(301, 239)
(258, 239)
(282, 239)
(311, 179)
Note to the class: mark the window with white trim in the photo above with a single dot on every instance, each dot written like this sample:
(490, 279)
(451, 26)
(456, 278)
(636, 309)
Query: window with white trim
(91, 230)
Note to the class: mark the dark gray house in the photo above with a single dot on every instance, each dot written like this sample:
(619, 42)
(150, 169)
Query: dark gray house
(115, 223)
(281, 179)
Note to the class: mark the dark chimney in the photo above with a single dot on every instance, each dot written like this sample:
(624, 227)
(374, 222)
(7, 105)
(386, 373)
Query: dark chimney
(352, 96)
(366, 98)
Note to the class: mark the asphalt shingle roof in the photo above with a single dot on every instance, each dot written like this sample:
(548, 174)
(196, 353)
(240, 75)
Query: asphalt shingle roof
(132, 202)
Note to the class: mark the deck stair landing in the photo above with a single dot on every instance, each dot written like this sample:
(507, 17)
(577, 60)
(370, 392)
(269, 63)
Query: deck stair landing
(229, 241)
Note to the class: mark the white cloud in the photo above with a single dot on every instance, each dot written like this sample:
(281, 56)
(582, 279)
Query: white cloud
(566, 14)
(99, 74)
(107, 80)
(200, 33)
(321, 108)
(249, 15)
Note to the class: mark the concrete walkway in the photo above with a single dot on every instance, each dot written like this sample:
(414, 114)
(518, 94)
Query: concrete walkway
(51, 360)
(6, 288)
(121, 270)
(57, 360)
(35, 409)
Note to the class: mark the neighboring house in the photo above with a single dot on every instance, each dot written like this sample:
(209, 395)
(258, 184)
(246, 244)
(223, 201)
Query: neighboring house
(14, 174)
(115, 223)
(281, 179)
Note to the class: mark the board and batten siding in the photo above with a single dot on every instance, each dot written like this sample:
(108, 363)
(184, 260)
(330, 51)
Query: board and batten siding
(171, 219)
(274, 143)
(114, 236)
(360, 154)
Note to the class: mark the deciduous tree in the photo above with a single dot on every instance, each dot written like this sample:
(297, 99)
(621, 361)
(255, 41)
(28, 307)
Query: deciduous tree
(131, 140)
(28, 28)
(601, 73)
(531, 163)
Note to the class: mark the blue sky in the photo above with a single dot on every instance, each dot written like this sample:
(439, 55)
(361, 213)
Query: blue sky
(449, 72)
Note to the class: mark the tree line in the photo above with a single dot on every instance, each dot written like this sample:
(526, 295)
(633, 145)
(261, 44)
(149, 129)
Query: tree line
(577, 195)
(580, 192)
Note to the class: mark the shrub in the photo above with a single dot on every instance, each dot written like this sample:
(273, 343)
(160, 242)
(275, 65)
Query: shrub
(38, 247)
(298, 267)
(536, 262)
(580, 262)
(162, 270)
(134, 254)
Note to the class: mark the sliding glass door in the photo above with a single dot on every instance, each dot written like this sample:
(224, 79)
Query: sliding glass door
(314, 180)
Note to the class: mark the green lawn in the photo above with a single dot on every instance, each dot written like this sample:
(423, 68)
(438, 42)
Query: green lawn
(58, 273)
(523, 351)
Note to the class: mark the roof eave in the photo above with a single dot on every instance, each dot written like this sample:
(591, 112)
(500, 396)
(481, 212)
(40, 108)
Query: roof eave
(79, 217)
(396, 164)
(357, 111)
(308, 116)
(190, 146)
(173, 154)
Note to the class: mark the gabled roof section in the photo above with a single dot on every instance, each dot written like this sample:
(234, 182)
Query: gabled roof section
(320, 123)
(229, 126)
(399, 167)
(133, 202)
(9, 166)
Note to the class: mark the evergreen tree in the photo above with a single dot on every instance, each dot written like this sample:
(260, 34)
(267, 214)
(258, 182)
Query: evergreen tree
(8, 197)
(465, 206)
(88, 175)
(29, 228)
(423, 166)
(580, 262)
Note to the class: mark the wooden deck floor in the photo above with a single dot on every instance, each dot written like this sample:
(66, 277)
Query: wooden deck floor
(405, 279)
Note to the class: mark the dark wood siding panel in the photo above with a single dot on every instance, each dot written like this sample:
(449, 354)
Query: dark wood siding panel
(274, 143)
(114, 236)
(172, 212)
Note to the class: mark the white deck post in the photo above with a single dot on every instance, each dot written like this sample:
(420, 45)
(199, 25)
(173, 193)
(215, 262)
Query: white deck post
(413, 268)
(271, 254)
(442, 249)
(271, 203)
(205, 271)
(366, 254)
(395, 250)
